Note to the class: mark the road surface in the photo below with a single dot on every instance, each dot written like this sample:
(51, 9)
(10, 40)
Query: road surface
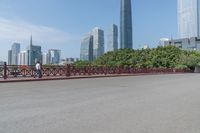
(140, 104)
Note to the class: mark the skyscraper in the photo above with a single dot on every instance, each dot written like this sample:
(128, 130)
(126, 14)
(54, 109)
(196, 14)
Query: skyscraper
(188, 18)
(34, 53)
(112, 38)
(54, 56)
(98, 42)
(22, 58)
(15, 52)
(45, 58)
(9, 57)
(87, 48)
(126, 25)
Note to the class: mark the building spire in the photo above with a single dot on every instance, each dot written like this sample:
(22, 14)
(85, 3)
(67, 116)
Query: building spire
(31, 41)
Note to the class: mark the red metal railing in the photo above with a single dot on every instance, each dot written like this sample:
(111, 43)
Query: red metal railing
(11, 71)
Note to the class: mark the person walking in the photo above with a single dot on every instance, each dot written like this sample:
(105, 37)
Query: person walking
(38, 70)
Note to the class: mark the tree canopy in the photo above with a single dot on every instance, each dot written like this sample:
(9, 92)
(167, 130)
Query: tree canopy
(160, 57)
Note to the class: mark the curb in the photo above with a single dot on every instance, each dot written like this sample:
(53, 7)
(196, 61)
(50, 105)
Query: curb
(82, 77)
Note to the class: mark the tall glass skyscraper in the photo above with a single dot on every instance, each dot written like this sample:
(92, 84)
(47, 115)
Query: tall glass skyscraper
(34, 53)
(87, 48)
(188, 18)
(113, 38)
(126, 25)
(54, 56)
(15, 52)
(98, 42)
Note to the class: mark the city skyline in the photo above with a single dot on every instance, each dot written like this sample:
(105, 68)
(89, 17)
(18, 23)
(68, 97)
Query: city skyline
(61, 24)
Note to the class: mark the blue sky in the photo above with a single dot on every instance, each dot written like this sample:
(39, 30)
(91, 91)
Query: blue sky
(61, 24)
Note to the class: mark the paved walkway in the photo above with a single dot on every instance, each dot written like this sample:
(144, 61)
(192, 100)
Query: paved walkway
(139, 104)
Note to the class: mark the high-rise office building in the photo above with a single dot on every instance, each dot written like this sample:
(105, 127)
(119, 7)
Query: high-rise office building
(15, 52)
(98, 42)
(188, 18)
(9, 57)
(34, 53)
(112, 38)
(22, 57)
(126, 25)
(86, 53)
(54, 56)
(45, 58)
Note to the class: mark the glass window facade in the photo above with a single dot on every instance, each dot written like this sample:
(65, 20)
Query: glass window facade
(113, 38)
(126, 25)
(86, 53)
(188, 18)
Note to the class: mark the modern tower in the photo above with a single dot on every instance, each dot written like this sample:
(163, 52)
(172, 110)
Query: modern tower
(86, 53)
(34, 53)
(54, 56)
(126, 25)
(9, 57)
(15, 52)
(112, 38)
(188, 18)
(98, 42)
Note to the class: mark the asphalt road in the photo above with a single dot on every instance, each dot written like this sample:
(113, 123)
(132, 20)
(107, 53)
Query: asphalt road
(143, 104)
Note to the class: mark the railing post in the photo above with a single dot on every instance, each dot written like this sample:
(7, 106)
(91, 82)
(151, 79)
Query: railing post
(89, 70)
(68, 70)
(5, 76)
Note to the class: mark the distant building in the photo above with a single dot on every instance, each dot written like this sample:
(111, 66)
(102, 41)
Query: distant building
(98, 42)
(68, 61)
(22, 58)
(45, 58)
(185, 43)
(86, 53)
(9, 57)
(54, 56)
(34, 53)
(188, 18)
(112, 38)
(15, 51)
(146, 47)
(1, 62)
(126, 25)
(162, 41)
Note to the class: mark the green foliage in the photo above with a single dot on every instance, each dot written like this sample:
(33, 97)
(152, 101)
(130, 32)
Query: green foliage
(160, 57)
(81, 64)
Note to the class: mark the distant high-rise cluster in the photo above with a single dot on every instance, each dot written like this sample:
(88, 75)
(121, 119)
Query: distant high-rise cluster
(31, 55)
(188, 26)
(92, 45)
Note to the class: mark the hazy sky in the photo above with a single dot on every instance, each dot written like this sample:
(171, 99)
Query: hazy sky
(61, 24)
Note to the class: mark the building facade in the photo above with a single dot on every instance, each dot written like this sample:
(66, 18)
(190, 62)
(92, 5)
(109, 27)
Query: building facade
(9, 57)
(45, 58)
(188, 18)
(112, 38)
(86, 53)
(126, 25)
(22, 58)
(98, 42)
(34, 53)
(15, 52)
(185, 43)
(54, 56)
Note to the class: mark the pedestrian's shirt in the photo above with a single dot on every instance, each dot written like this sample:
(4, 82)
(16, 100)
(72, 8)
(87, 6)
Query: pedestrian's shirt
(37, 66)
